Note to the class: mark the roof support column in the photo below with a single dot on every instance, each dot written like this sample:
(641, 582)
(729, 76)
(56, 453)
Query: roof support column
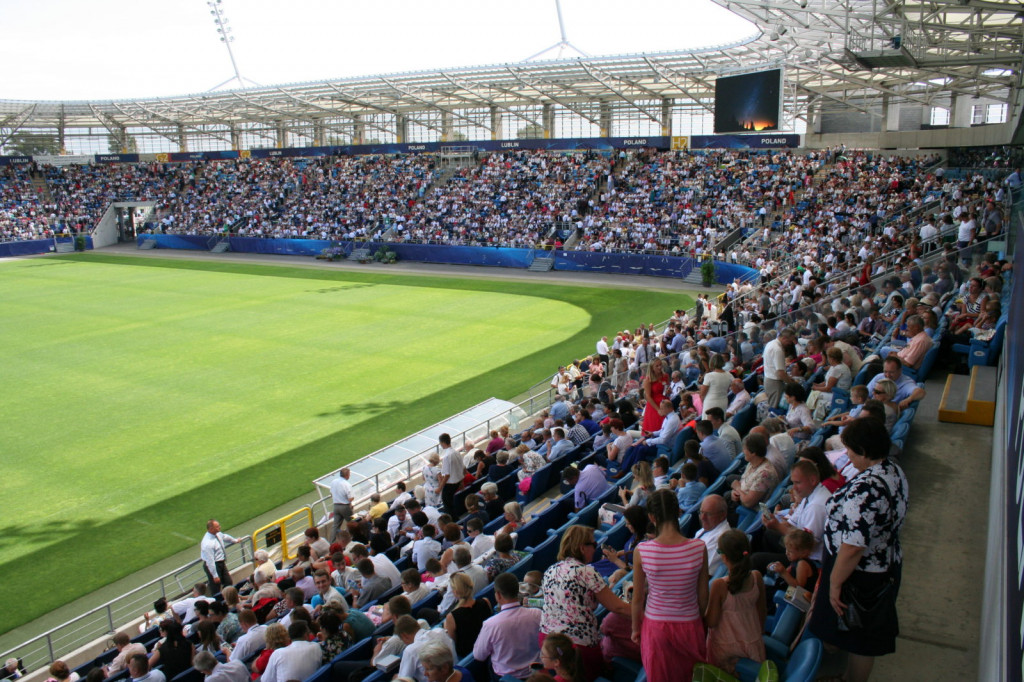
(401, 128)
(446, 126)
(666, 116)
(318, 133)
(182, 139)
(282, 134)
(495, 124)
(548, 120)
(236, 137)
(605, 119)
(358, 129)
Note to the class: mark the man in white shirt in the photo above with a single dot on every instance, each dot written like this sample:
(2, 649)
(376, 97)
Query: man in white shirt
(713, 522)
(213, 552)
(416, 640)
(602, 350)
(298, 660)
(452, 472)
(808, 515)
(254, 636)
(740, 398)
(775, 375)
(402, 498)
(232, 671)
(341, 495)
(382, 565)
(138, 669)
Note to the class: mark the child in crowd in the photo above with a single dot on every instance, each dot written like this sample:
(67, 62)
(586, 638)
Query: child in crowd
(557, 654)
(533, 580)
(858, 396)
(661, 473)
(689, 489)
(736, 607)
(801, 571)
(433, 572)
(706, 471)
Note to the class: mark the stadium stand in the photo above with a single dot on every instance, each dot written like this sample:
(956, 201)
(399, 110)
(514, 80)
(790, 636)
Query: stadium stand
(884, 282)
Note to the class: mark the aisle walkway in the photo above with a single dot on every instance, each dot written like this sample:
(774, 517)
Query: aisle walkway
(948, 468)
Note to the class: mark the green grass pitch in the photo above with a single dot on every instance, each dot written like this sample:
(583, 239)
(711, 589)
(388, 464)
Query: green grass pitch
(143, 396)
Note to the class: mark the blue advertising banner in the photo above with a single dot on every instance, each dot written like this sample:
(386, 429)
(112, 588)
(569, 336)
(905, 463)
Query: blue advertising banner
(117, 158)
(30, 248)
(14, 160)
(764, 141)
(559, 144)
(202, 156)
(611, 263)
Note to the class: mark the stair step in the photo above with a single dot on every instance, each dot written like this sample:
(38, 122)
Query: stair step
(970, 399)
(542, 265)
(148, 244)
(221, 246)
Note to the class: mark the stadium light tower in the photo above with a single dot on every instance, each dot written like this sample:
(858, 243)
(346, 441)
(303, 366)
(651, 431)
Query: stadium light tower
(562, 44)
(221, 21)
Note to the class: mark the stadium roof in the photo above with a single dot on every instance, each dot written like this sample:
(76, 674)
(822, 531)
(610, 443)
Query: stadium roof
(843, 53)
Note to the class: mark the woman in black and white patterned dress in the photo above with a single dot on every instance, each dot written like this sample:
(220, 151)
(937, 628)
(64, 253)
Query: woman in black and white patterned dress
(863, 557)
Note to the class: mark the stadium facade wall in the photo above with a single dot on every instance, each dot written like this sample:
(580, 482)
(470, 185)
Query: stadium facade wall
(573, 261)
(1002, 620)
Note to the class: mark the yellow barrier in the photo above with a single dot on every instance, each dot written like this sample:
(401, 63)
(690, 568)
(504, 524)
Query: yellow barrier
(277, 532)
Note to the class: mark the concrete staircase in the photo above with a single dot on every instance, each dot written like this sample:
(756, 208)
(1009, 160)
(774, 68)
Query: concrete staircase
(42, 188)
(970, 399)
(542, 264)
(694, 279)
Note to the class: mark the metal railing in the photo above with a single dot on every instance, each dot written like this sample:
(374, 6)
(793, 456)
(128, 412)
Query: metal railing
(108, 618)
(277, 532)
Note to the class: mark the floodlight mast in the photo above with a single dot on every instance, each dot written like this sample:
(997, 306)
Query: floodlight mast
(221, 21)
(562, 44)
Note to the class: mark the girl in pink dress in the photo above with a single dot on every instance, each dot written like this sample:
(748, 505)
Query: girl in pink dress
(670, 591)
(737, 608)
(654, 392)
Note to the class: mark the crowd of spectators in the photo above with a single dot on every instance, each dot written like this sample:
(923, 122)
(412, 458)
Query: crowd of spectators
(742, 395)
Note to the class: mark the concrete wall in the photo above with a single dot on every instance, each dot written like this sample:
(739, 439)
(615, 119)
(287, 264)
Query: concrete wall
(980, 136)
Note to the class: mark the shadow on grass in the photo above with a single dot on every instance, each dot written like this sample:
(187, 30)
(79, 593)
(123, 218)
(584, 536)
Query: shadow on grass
(120, 546)
(364, 408)
(20, 533)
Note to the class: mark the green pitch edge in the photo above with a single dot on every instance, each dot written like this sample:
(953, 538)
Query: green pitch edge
(94, 555)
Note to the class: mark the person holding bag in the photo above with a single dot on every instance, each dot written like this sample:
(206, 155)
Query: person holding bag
(855, 604)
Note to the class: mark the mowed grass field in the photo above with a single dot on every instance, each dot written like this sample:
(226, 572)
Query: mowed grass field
(143, 396)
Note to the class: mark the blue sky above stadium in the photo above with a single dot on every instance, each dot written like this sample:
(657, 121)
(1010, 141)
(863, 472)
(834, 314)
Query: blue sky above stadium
(104, 49)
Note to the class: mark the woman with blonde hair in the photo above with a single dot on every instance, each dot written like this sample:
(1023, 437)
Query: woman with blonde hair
(431, 480)
(463, 622)
(514, 517)
(655, 383)
(884, 392)
(644, 479)
(573, 589)
(276, 636)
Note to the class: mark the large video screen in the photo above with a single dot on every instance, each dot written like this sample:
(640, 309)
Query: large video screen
(749, 103)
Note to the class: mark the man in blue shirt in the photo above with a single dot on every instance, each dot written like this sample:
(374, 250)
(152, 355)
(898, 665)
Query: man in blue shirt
(907, 390)
(560, 445)
(712, 446)
(559, 408)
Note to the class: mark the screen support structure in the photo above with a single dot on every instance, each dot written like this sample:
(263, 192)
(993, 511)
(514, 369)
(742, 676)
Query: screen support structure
(562, 44)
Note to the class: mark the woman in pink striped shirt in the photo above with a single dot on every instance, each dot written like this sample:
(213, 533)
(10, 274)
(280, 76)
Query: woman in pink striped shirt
(670, 592)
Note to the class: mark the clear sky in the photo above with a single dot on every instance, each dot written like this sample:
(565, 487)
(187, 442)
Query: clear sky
(110, 49)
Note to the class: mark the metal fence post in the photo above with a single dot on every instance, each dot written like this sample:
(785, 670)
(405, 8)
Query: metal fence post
(110, 618)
